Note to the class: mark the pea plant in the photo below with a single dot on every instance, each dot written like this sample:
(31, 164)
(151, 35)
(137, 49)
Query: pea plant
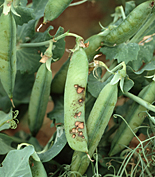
(94, 133)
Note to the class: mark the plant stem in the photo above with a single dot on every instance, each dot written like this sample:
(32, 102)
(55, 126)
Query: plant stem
(39, 44)
(143, 29)
(140, 101)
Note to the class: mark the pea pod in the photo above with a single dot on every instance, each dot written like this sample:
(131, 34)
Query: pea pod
(39, 99)
(74, 101)
(130, 25)
(134, 118)
(58, 83)
(54, 8)
(59, 80)
(96, 124)
(8, 52)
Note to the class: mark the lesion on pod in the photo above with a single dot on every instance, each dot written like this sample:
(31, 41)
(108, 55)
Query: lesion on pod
(79, 89)
(78, 114)
(75, 131)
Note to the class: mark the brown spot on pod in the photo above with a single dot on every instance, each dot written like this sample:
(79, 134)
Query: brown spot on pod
(73, 136)
(80, 133)
(74, 130)
(81, 100)
(79, 125)
(79, 89)
(77, 114)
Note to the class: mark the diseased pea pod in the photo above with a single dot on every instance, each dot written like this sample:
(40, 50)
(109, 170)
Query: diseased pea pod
(59, 80)
(39, 99)
(130, 25)
(134, 118)
(96, 124)
(8, 52)
(74, 101)
(54, 8)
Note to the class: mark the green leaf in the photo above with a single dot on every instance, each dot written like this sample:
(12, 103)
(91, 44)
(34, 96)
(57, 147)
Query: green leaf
(28, 57)
(59, 143)
(128, 84)
(146, 52)
(26, 14)
(6, 143)
(25, 32)
(59, 46)
(139, 80)
(3, 120)
(38, 7)
(95, 86)
(57, 114)
(16, 163)
(148, 67)
(23, 87)
(123, 52)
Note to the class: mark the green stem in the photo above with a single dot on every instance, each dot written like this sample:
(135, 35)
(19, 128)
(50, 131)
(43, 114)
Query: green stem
(135, 39)
(140, 101)
(39, 44)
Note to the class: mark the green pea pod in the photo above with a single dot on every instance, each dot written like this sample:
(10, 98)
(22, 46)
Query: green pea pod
(7, 52)
(37, 167)
(96, 124)
(134, 118)
(59, 80)
(95, 42)
(74, 101)
(130, 25)
(54, 8)
(58, 83)
(39, 98)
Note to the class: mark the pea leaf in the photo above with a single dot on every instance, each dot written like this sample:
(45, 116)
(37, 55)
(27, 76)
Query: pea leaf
(28, 57)
(16, 163)
(148, 67)
(3, 120)
(26, 14)
(23, 86)
(123, 52)
(95, 86)
(57, 114)
(6, 143)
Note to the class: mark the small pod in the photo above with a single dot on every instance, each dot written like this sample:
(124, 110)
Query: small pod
(134, 118)
(8, 52)
(96, 124)
(39, 99)
(74, 101)
(54, 8)
(130, 25)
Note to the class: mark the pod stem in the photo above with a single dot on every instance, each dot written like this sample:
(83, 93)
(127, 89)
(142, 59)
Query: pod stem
(143, 29)
(140, 101)
(12, 102)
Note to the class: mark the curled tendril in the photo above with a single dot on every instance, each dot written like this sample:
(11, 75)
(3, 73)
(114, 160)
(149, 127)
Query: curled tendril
(14, 121)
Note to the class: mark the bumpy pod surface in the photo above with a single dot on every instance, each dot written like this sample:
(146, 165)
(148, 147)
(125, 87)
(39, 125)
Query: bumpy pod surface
(74, 101)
